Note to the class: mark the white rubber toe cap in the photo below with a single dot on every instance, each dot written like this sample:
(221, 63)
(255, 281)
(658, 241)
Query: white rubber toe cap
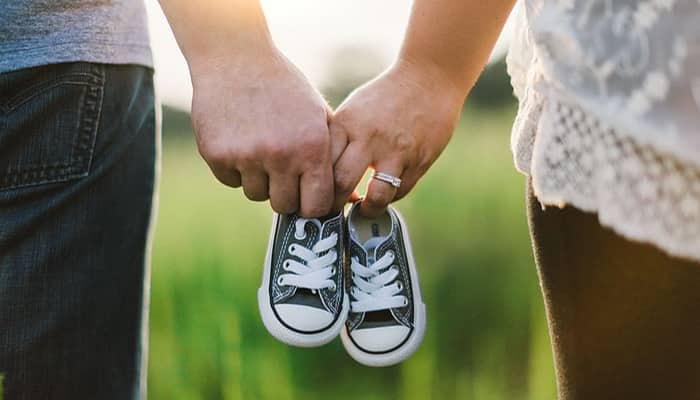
(304, 318)
(381, 338)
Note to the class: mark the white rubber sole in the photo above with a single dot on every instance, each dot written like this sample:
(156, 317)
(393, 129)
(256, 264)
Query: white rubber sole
(414, 340)
(275, 327)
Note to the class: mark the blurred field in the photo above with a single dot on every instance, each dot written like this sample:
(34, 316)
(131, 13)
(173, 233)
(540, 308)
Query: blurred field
(486, 336)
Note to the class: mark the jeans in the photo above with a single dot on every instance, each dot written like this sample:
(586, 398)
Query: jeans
(78, 153)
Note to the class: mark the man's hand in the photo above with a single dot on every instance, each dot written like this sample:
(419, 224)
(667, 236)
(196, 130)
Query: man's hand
(398, 124)
(259, 124)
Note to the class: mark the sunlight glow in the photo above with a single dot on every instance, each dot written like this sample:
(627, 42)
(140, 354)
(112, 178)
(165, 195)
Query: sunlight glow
(309, 32)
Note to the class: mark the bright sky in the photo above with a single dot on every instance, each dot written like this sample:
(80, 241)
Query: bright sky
(307, 31)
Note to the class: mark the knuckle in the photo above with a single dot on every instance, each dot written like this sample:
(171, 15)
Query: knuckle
(310, 161)
(405, 143)
(244, 156)
(277, 150)
(315, 142)
(373, 133)
(216, 155)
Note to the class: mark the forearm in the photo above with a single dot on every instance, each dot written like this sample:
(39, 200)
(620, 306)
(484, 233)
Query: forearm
(210, 32)
(452, 39)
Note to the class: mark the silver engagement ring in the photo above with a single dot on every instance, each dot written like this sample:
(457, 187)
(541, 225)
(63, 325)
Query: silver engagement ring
(390, 179)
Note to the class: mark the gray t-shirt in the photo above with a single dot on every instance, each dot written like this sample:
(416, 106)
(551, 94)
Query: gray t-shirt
(39, 32)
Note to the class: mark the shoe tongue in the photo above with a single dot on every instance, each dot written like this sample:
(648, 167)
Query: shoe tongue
(371, 246)
(319, 224)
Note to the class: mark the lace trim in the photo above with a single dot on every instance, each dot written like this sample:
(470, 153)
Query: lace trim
(637, 191)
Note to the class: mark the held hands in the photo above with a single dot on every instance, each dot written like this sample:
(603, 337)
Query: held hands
(262, 126)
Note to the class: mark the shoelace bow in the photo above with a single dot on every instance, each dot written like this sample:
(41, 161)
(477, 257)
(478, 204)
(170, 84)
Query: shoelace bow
(316, 271)
(374, 287)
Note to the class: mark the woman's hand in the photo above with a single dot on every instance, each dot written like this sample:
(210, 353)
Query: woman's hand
(397, 124)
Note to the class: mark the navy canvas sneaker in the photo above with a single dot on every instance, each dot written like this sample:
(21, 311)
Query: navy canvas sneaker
(386, 322)
(302, 298)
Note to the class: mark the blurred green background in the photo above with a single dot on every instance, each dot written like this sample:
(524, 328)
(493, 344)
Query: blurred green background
(486, 336)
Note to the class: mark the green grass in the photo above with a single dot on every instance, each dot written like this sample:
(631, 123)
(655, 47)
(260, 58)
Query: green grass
(485, 338)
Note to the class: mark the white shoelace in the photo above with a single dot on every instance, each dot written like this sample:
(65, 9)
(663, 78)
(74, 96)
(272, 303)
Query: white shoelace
(374, 287)
(317, 271)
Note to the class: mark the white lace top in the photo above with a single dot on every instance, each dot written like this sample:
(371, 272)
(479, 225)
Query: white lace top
(609, 117)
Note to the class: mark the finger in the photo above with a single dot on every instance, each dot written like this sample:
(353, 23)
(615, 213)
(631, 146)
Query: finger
(316, 191)
(229, 177)
(379, 193)
(348, 171)
(255, 184)
(284, 193)
(339, 140)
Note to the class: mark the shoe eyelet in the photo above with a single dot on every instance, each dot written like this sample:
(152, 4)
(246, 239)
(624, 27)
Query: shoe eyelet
(291, 249)
(333, 287)
(399, 285)
(300, 237)
(405, 302)
(286, 265)
(280, 281)
(332, 270)
(391, 254)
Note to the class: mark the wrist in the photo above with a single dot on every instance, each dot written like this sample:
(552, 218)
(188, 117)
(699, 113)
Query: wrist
(238, 50)
(430, 77)
(234, 65)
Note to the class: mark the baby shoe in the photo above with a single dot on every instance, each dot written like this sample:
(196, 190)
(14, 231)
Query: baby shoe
(302, 297)
(386, 322)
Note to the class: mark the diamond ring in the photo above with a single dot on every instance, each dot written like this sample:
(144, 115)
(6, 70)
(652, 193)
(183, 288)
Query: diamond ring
(390, 179)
